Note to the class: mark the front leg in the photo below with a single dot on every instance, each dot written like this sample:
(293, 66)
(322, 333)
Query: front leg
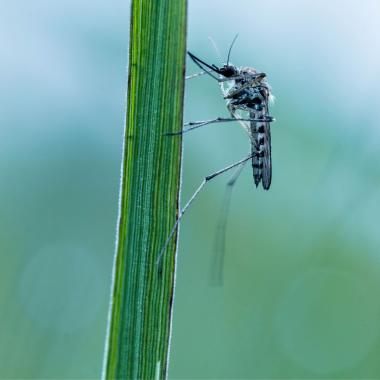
(197, 124)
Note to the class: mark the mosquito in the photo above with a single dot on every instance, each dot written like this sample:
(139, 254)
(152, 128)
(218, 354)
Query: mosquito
(247, 95)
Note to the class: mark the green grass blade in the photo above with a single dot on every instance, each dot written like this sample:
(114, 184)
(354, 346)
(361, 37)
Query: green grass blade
(140, 316)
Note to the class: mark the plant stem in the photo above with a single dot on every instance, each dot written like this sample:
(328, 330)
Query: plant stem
(142, 292)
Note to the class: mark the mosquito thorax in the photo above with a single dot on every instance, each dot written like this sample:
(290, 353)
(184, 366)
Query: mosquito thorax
(250, 72)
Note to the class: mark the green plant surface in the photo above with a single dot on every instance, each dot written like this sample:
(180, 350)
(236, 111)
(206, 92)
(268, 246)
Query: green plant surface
(142, 292)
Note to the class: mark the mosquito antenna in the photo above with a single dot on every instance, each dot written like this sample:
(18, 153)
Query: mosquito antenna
(199, 63)
(229, 51)
(217, 51)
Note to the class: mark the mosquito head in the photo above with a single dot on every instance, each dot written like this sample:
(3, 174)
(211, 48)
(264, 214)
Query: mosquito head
(228, 71)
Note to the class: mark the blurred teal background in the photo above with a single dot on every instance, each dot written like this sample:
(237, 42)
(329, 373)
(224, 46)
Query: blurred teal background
(302, 275)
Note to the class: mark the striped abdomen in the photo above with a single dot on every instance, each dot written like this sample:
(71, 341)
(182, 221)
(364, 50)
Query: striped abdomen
(261, 148)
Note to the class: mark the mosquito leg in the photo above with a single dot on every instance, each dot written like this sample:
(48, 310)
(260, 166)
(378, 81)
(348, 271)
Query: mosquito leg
(192, 198)
(197, 74)
(197, 124)
(237, 77)
(217, 264)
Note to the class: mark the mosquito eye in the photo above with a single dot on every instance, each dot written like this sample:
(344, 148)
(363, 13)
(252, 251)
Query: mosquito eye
(227, 71)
